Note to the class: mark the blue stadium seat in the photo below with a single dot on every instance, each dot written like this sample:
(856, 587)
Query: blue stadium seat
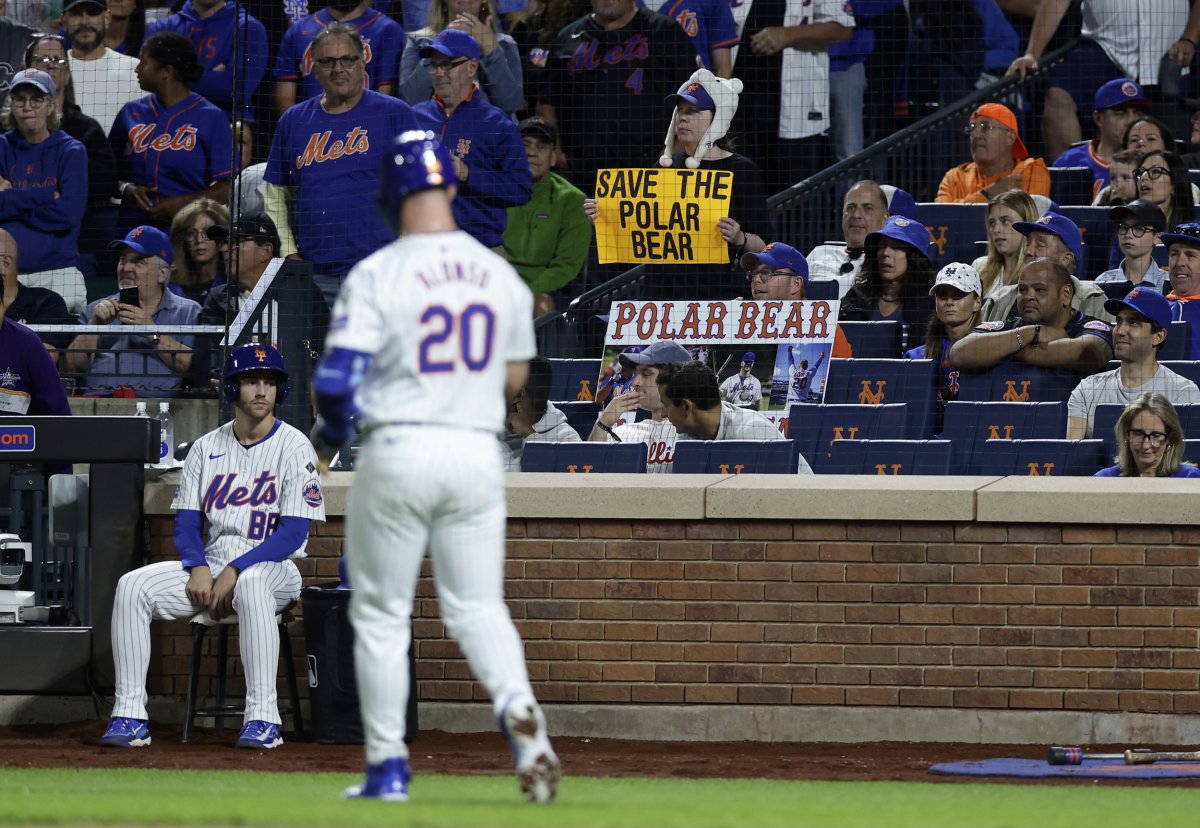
(735, 457)
(813, 428)
(873, 340)
(955, 229)
(584, 458)
(1115, 290)
(1161, 255)
(1105, 422)
(1072, 186)
(1097, 231)
(573, 379)
(823, 289)
(581, 415)
(882, 381)
(1042, 458)
(1016, 382)
(888, 457)
(969, 424)
(1184, 367)
(1191, 452)
(1179, 343)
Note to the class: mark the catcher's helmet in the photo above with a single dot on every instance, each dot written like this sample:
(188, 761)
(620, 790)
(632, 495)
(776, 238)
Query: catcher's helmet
(416, 162)
(252, 357)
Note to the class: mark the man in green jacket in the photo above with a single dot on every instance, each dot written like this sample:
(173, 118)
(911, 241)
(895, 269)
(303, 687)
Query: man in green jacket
(547, 238)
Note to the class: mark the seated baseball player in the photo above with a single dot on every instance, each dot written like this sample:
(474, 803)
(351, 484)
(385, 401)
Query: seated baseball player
(1143, 321)
(692, 403)
(1048, 333)
(532, 418)
(616, 422)
(254, 480)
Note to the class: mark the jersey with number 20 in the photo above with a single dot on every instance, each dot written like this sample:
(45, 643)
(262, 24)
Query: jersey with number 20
(442, 316)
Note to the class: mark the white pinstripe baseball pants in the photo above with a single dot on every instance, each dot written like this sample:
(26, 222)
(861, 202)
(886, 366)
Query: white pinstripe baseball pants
(157, 592)
(443, 488)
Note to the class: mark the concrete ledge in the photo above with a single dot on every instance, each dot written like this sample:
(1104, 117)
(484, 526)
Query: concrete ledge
(719, 723)
(1090, 500)
(646, 496)
(841, 497)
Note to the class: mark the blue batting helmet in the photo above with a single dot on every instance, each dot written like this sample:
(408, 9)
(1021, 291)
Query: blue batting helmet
(417, 162)
(252, 357)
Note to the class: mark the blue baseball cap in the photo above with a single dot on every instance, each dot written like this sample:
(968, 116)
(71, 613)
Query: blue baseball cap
(147, 240)
(452, 43)
(1149, 303)
(1056, 224)
(35, 78)
(899, 202)
(695, 94)
(749, 356)
(903, 229)
(1186, 233)
(779, 255)
(1120, 92)
(663, 352)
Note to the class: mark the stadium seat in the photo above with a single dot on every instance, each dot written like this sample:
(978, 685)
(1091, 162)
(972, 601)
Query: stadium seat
(1191, 452)
(1116, 290)
(969, 424)
(735, 457)
(1185, 368)
(573, 379)
(1016, 382)
(823, 289)
(1097, 231)
(581, 416)
(1072, 186)
(882, 381)
(888, 457)
(1179, 343)
(1041, 458)
(1161, 255)
(584, 458)
(955, 229)
(813, 428)
(873, 340)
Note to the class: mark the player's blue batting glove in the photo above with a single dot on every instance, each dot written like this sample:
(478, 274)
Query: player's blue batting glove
(326, 443)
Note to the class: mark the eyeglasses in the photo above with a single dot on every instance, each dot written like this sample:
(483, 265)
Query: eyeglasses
(1156, 438)
(1135, 230)
(765, 273)
(1153, 173)
(347, 62)
(47, 61)
(33, 101)
(986, 127)
(446, 67)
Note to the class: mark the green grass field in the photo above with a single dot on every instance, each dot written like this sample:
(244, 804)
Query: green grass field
(220, 798)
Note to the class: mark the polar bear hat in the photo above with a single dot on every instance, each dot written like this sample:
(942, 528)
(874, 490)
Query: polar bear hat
(706, 91)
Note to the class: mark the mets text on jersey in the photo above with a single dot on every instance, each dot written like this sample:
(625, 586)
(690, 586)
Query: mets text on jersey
(319, 150)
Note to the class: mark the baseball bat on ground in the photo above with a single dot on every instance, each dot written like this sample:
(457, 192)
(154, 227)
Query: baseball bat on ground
(1133, 757)
(1059, 755)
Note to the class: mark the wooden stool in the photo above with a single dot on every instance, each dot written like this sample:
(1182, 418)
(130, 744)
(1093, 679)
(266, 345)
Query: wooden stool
(201, 623)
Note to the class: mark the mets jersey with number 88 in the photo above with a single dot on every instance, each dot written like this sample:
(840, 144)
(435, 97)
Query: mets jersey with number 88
(442, 316)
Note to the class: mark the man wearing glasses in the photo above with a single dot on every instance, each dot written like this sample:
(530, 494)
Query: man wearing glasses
(326, 158)
(999, 161)
(1143, 320)
(1183, 266)
(1138, 224)
(484, 143)
(779, 272)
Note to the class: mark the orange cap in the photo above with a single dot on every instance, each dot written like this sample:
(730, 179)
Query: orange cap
(1005, 116)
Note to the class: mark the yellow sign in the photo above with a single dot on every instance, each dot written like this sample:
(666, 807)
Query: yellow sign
(663, 216)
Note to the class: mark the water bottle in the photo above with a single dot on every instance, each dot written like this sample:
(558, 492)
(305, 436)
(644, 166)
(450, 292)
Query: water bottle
(140, 411)
(166, 437)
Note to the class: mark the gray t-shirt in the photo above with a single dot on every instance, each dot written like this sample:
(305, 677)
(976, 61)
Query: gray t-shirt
(1102, 389)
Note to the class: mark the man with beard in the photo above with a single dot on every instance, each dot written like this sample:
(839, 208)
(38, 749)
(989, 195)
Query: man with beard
(104, 80)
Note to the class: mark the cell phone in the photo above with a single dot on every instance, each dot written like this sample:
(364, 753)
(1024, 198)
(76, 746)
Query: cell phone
(129, 296)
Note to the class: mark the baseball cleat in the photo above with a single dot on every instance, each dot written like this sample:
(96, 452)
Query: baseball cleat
(538, 769)
(387, 781)
(259, 734)
(127, 733)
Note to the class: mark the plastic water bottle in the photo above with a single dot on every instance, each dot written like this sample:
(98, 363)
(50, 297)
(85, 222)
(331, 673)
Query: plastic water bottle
(166, 437)
(140, 411)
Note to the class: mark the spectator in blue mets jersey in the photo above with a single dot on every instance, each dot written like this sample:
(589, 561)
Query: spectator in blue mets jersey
(296, 78)
(484, 143)
(326, 155)
(173, 145)
(710, 25)
(214, 26)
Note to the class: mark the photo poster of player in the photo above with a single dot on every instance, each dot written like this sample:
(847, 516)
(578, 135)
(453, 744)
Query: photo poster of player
(786, 343)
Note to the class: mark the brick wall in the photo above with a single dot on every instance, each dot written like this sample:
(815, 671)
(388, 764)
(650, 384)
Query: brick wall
(965, 615)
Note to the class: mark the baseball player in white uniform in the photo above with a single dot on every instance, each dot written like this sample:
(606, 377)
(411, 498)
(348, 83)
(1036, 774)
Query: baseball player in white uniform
(692, 402)
(616, 424)
(428, 335)
(743, 388)
(254, 480)
(800, 385)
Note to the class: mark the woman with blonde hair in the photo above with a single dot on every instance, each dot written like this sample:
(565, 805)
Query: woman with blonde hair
(1005, 246)
(197, 257)
(1150, 441)
(499, 77)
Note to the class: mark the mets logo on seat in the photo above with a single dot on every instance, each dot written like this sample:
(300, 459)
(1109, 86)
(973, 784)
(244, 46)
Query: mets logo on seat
(17, 438)
(1012, 395)
(938, 235)
(869, 397)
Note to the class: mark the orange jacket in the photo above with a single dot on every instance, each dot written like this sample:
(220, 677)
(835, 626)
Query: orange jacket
(964, 185)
